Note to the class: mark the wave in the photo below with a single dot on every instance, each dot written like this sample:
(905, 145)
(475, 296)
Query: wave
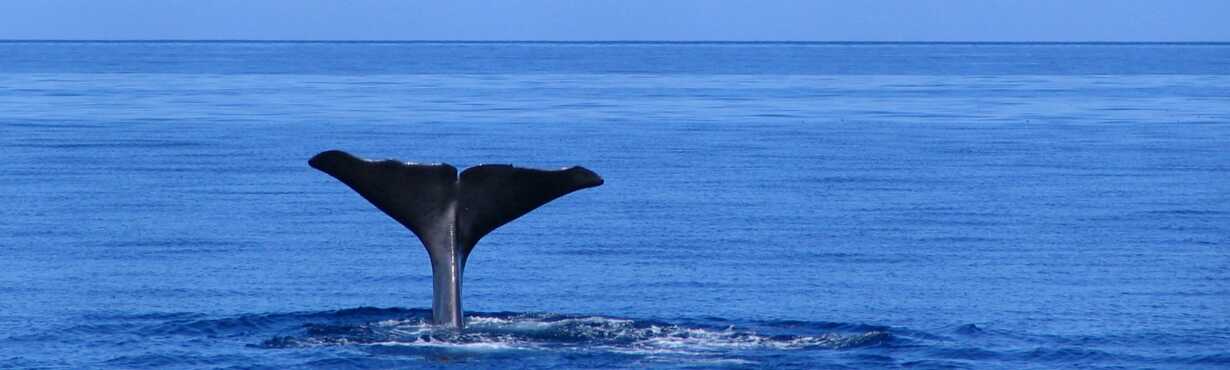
(543, 331)
(368, 337)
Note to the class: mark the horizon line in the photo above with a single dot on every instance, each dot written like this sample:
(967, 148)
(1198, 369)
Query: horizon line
(425, 41)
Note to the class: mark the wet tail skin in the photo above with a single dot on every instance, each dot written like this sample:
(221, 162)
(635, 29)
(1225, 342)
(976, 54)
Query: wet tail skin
(450, 212)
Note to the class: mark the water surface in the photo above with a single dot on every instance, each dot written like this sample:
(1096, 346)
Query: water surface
(787, 205)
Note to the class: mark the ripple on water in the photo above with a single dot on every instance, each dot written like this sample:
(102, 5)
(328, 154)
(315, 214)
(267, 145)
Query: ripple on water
(368, 337)
(510, 333)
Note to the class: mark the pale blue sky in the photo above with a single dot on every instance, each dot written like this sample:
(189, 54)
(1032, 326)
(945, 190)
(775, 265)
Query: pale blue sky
(739, 20)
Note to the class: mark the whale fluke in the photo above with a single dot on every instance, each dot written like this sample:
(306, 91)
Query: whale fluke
(450, 213)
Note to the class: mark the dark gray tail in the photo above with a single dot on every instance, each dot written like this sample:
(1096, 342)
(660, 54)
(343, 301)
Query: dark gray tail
(450, 213)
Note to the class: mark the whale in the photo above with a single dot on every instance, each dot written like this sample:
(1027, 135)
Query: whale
(449, 212)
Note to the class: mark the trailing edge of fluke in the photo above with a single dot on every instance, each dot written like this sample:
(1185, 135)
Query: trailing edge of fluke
(450, 213)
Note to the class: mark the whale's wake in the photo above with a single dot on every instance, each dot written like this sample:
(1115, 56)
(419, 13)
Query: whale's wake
(587, 335)
(368, 337)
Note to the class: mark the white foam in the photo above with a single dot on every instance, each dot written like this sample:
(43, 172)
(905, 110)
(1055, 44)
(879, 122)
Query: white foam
(464, 346)
(587, 334)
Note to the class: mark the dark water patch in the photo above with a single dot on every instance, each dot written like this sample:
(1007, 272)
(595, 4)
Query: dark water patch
(153, 316)
(115, 144)
(270, 193)
(181, 168)
(689, 284)
(968, 330)
(1188, 212)
(1211, 359)
(20, 362)
(1200, 293)
(37, 124)
(950, 222)
(600, 251)
(172, 360)
(1068, 355)
(366, 363)
(964, 353)
(957, 239)
(878, 180)
(177, 243)
(1202, 338)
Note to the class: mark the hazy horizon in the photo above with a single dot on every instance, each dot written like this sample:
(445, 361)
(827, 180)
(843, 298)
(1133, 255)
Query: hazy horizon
(610, 41)
(630, 20)
(619, 41)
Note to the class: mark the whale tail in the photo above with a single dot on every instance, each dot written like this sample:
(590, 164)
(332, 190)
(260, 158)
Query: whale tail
(450, 213)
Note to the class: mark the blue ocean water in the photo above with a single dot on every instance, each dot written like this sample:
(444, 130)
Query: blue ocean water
(786, 205)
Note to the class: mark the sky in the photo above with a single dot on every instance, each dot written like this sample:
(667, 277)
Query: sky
(579, 20)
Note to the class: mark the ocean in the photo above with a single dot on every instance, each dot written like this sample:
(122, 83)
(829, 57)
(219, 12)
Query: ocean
(767, 205)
